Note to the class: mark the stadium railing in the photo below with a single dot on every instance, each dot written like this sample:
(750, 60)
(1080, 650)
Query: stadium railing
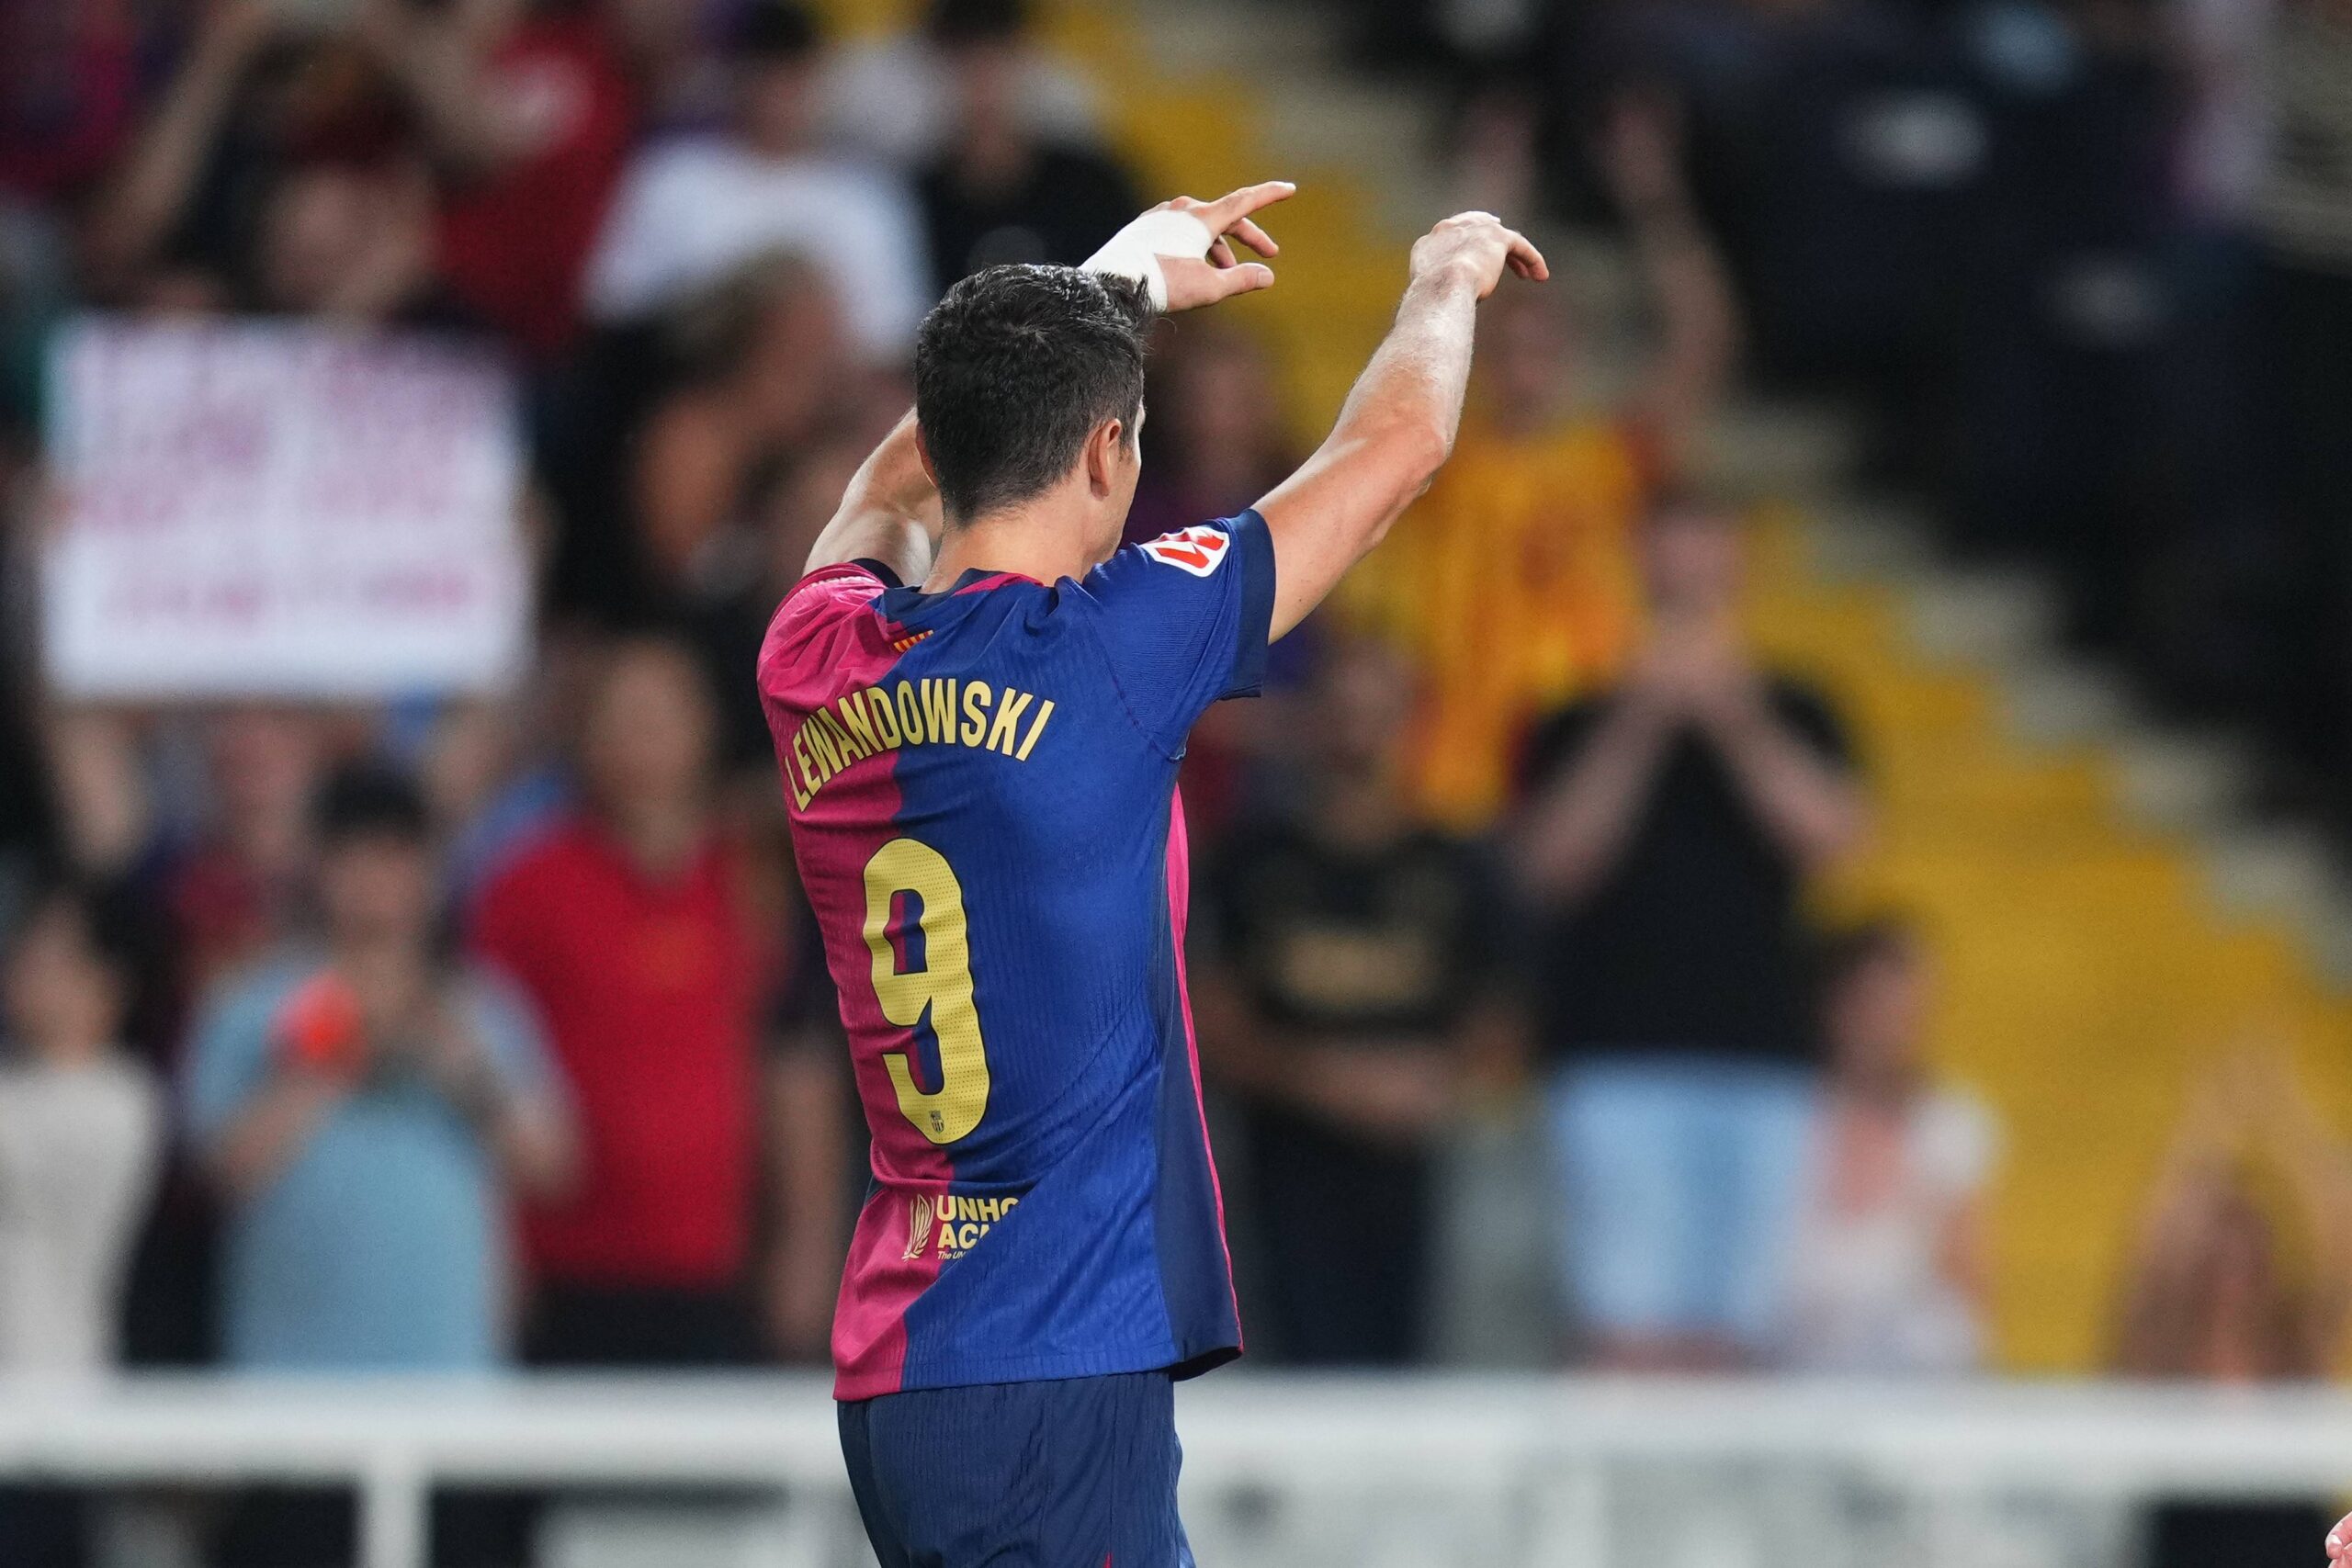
(1567, 1471)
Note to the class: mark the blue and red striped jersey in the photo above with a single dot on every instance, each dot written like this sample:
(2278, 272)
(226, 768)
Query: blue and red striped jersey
(982, 792)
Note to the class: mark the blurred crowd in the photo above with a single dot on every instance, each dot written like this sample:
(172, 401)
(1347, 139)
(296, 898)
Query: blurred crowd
(449, 1034)
(2087, 264)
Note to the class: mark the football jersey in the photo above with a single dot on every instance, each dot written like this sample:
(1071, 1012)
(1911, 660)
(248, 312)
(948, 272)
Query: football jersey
(982, 790)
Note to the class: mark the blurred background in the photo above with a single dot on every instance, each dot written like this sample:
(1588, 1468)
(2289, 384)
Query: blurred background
(1774, 972)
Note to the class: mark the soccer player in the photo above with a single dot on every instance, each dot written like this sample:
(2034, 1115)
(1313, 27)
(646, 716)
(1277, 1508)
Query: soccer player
(978, 701)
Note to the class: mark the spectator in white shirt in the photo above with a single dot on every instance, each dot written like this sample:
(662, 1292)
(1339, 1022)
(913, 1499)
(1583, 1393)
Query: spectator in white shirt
(895, 97)
(1888, 1276)
(81, 1134)
(693, 210)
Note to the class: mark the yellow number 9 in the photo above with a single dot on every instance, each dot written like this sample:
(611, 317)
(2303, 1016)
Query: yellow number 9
(942, 986)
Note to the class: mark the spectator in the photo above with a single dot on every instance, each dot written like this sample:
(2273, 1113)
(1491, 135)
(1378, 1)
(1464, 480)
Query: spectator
(253, 98)
(529, 112)
(1889, 1272)
(628, 925)
(890, 98)
(999, 191)
(2254, 1180)
(81, 1139)
(1673, 822)
(364, 1106)
(2210, 1294)
(1512, 588)
(81, 1136)
(493, 770)
(693, 209)
(672, 53)
(171, 915)
(352, 243)
(764, 362)
(1356, 984)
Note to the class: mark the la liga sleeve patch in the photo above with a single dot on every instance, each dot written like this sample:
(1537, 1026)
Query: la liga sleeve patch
(1197, 550)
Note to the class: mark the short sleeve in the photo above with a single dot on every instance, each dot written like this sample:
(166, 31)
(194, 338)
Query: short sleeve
(803, 640)
(513, 1039)
(1183, 620)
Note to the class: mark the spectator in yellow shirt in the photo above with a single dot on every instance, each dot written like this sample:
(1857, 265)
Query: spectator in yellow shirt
(1512, 585)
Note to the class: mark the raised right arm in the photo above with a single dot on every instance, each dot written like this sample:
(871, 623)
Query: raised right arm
(1399, 424)
(891, 513)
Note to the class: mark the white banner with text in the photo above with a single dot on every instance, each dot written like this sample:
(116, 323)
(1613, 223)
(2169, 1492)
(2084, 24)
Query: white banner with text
(280, 510)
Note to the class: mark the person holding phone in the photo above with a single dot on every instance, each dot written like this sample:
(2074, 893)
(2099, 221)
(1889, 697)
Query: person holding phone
(364, 1107)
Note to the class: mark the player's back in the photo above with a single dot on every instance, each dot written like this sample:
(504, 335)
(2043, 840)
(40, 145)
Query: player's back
(981, 789)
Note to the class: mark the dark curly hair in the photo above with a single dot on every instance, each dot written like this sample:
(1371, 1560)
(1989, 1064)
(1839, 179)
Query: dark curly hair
(1014, 367)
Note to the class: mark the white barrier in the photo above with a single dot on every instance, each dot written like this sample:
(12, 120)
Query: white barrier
(1540, 1460)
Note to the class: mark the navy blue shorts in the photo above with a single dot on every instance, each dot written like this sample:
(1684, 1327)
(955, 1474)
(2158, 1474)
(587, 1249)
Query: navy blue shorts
(1079, 1473)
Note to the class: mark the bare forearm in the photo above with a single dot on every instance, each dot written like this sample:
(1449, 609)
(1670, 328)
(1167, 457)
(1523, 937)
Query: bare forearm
(1578, 828)
(146, 203)
(811, 1174)
(266, 1138)
(1419, 376)
(536, 1145)
(811, 1151)
(1234, 1045)
(1808, 804)
(890, 512)
(1394, 433)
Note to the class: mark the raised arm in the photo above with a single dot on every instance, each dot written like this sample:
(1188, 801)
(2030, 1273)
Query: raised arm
(1399, 424)
(889, 514)
(1182, 250)
(148, 197)
(442, 58)
(1698, 323)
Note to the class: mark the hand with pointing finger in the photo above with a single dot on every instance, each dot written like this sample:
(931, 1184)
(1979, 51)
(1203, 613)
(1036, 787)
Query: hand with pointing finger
(1182, 250)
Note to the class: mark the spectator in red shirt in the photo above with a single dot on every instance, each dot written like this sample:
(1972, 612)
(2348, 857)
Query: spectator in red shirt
(627, 926)
(530, 114)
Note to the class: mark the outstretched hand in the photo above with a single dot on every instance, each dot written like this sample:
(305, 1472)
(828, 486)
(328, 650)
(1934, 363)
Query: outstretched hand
(2339, 1540)
(1195, 281)
(1195, 262)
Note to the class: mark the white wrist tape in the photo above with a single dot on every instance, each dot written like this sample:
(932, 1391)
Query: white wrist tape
(1134, 251)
